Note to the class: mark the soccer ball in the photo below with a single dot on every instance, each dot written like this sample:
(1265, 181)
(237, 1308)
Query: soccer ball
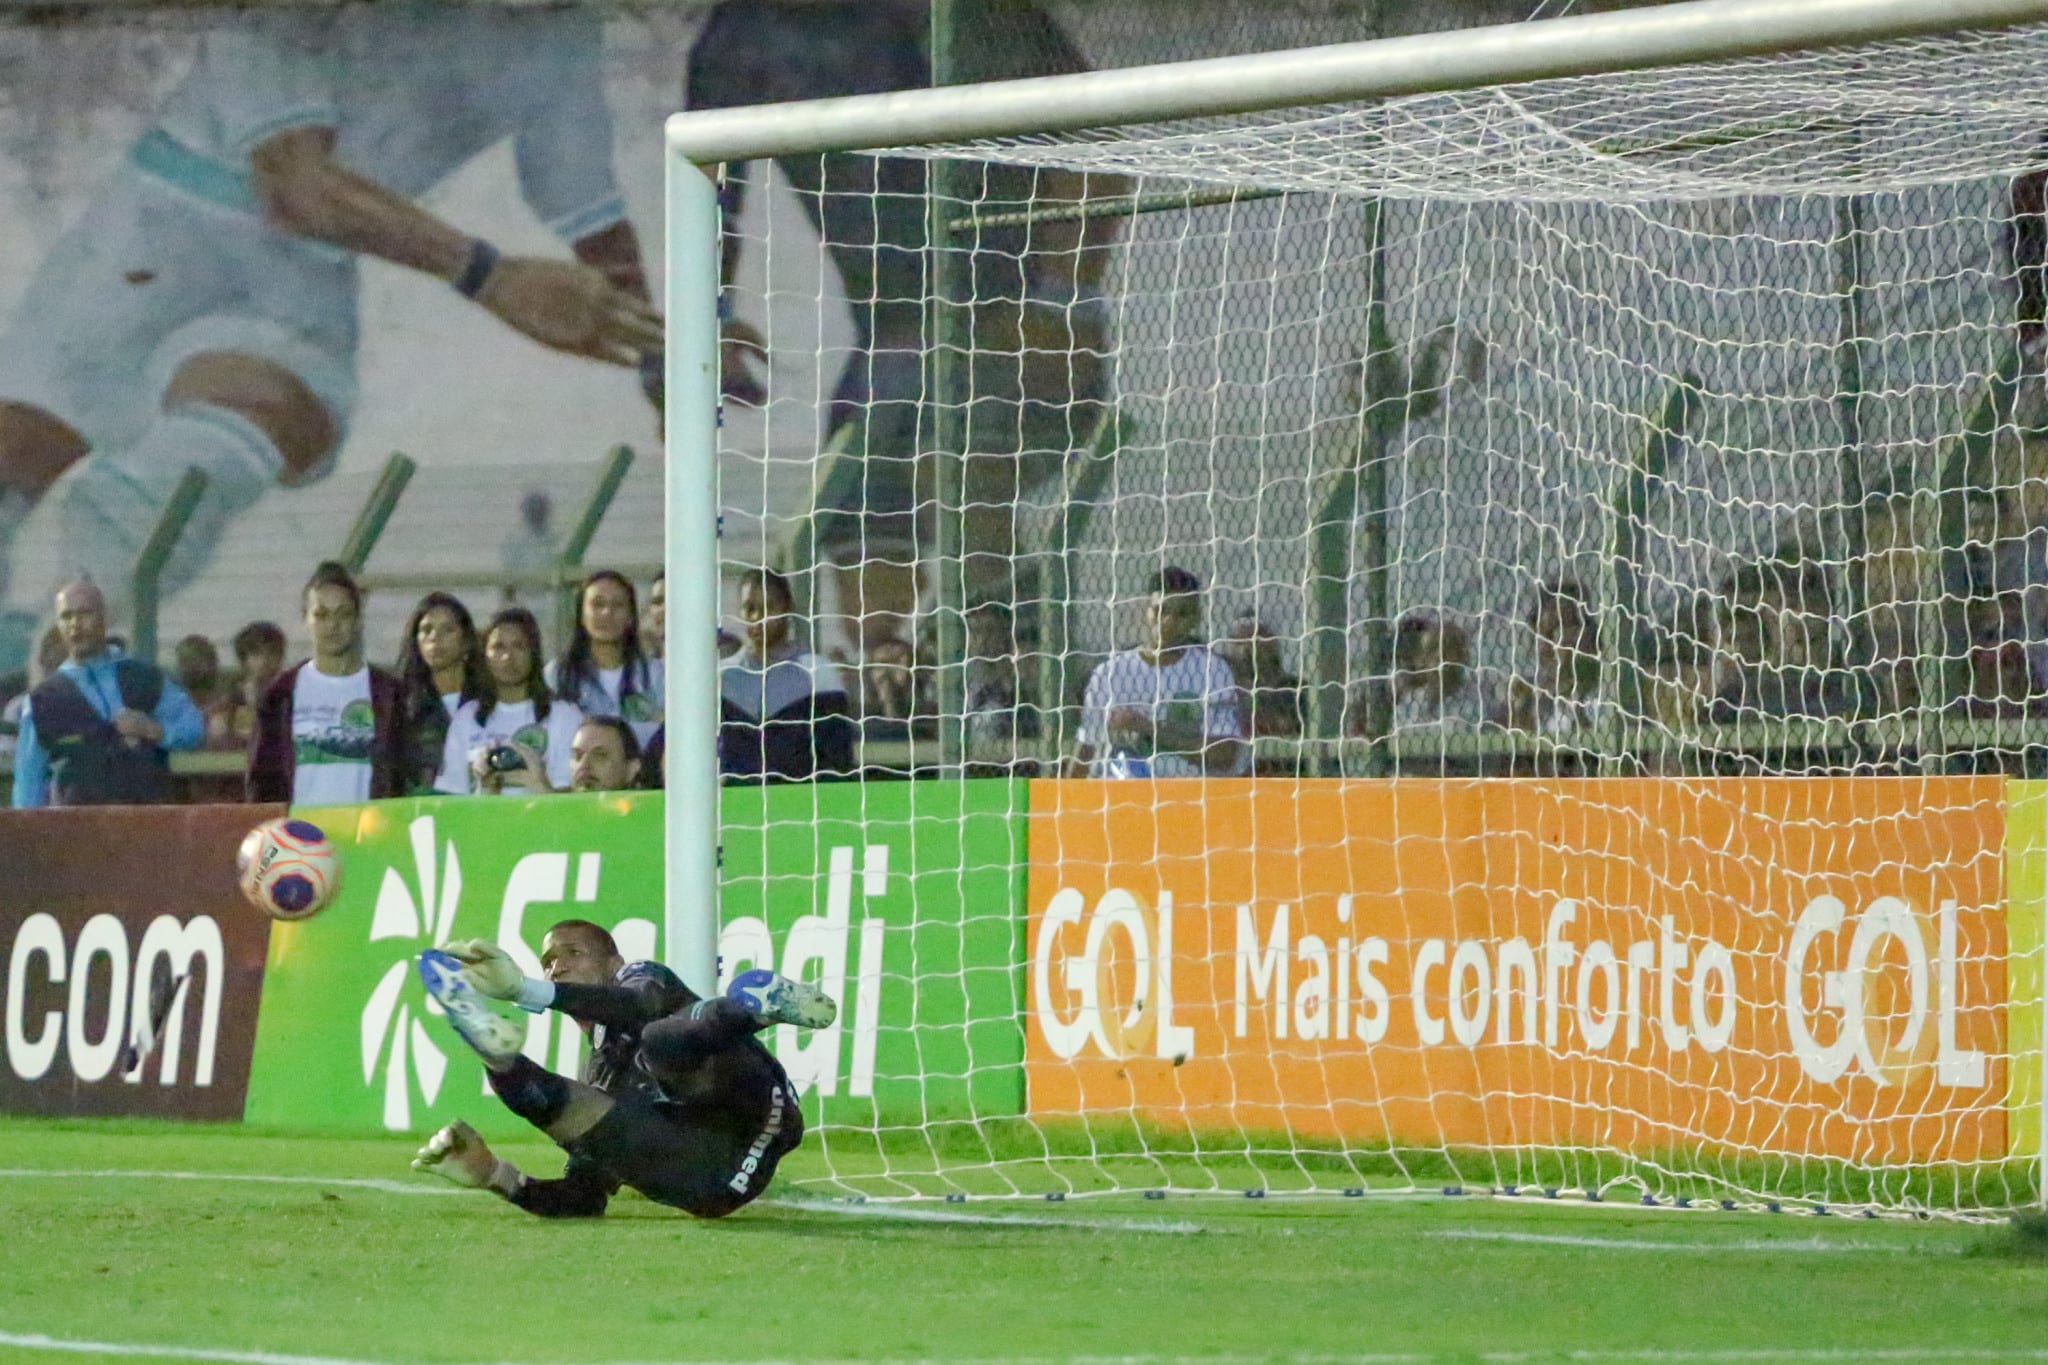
(287, 869)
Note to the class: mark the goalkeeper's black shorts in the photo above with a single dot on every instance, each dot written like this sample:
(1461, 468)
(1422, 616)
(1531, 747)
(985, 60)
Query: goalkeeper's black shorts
(658, 1150)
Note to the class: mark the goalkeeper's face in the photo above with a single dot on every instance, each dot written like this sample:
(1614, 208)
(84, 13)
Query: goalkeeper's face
(578, 958)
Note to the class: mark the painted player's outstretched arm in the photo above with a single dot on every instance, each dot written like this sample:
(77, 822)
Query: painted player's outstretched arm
(567, 305)
(458, 1154)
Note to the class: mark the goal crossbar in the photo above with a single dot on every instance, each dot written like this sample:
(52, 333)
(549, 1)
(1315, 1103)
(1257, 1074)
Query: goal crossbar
(1501, 54)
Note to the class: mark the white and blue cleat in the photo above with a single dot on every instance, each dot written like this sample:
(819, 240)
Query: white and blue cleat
(779, 1000)
(490, 1033)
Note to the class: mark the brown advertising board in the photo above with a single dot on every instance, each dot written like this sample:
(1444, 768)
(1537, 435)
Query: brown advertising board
(98, 907)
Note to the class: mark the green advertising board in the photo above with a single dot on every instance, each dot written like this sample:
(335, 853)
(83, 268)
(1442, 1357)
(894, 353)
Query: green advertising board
(908, 899)
(904, 900)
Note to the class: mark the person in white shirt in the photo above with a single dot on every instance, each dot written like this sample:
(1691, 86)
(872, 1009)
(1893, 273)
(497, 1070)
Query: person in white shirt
(518, 736)
(1168, 709)
(330, 731)
(604, 670)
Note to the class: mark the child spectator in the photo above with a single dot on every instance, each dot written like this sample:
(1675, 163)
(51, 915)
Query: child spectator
(1562, 696)
(259, 658)
(49, 657)
(888, 685)
(1779, 658)
(996, 726)
(197, 668)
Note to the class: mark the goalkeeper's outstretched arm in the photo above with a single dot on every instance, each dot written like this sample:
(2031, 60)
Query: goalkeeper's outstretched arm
(492, 971)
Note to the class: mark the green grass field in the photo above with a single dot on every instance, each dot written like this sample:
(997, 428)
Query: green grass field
(335, 1252)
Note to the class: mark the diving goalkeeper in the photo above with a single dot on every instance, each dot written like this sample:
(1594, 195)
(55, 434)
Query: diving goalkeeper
(678, 1099)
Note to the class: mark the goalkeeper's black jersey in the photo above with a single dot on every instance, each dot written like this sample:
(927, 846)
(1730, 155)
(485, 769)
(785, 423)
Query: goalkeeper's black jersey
(614, 1064)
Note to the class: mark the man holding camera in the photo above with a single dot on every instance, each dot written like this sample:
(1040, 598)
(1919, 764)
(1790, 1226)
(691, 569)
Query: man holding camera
(604, 756)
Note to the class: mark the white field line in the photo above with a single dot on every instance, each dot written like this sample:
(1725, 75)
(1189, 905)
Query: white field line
(889, 1212)
(918, 1214)
(144, 1350)
(1752, 1244)
(1754, 1356)
(346, 1183)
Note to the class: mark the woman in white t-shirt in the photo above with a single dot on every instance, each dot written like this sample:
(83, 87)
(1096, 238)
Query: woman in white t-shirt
(516, 738)
(605, 670)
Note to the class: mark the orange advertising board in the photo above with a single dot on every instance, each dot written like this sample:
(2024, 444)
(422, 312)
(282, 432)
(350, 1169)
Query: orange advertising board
(1805, 967)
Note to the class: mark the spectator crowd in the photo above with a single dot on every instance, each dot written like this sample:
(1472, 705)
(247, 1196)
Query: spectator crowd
(1772, 669)
(462, 710)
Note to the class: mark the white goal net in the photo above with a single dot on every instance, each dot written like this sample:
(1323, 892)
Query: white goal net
(1479, 640)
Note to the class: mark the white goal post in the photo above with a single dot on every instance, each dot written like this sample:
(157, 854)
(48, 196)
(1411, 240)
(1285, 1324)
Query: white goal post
(1194, 94)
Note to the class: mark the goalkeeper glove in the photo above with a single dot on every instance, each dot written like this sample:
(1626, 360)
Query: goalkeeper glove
(458, 1155)
(489, 968)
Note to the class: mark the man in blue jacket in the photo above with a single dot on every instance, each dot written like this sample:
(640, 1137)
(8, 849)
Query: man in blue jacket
(99, 731)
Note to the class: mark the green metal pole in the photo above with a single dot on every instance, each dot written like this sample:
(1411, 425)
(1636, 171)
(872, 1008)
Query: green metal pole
(611, 475)
(1080, 495)
(1622, 621)
(149, 566)
(1379, 599)
(1331, 544)
(1851, 279)
(949, 389)
(1329, 591)
(376, 514)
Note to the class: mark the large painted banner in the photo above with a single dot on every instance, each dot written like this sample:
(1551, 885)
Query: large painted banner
(192, 278)
(866, 892)
(1803, 967)
(101, 910)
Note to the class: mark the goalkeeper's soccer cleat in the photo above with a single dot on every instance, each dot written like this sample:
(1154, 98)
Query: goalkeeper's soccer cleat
(778, 999)
(492, 1035)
